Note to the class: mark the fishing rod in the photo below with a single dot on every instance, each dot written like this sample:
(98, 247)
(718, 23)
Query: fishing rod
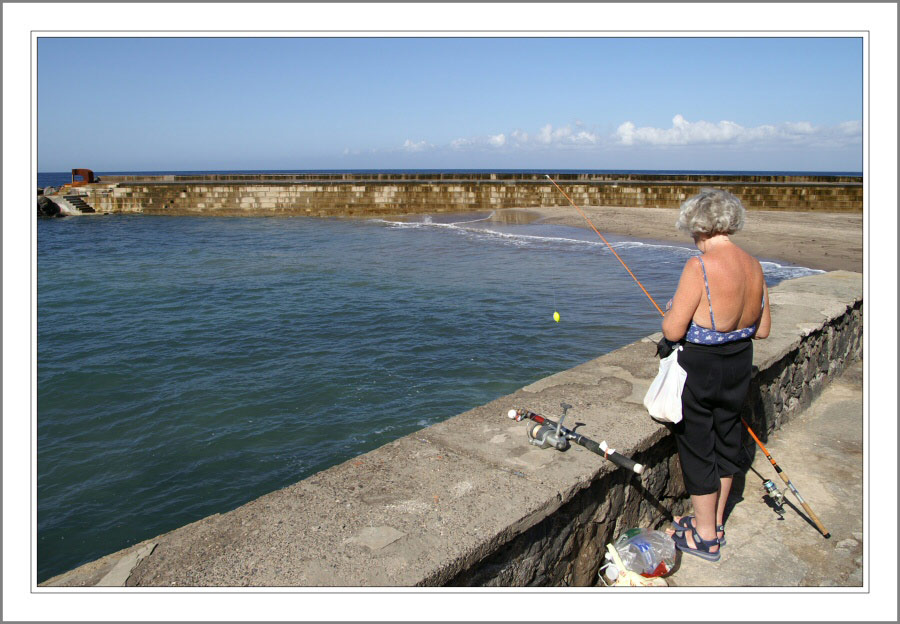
(778, 469)
(787, 480)
(547, 433)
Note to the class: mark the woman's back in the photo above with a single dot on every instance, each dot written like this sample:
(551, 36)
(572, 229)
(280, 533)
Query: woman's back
(736, 286)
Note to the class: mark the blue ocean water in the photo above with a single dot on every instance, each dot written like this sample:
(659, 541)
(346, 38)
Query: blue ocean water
(189, 365)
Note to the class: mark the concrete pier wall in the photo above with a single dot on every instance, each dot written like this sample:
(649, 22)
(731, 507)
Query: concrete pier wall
(379, 194)
(469, 502)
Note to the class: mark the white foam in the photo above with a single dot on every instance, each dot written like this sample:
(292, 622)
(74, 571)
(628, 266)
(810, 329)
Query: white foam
(487, 218)
(428, 220)
(636, 244)
(768, 264)
(481, 232)
(522, 240)
(783, 272)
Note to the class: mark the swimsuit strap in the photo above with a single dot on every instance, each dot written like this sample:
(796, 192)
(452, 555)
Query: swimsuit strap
(712, 319)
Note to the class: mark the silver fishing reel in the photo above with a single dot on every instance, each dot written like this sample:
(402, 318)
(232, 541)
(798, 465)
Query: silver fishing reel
(546, 435)
(776, 495)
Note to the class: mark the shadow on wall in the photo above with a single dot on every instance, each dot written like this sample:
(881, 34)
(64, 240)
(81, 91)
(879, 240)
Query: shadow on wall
(567, 548)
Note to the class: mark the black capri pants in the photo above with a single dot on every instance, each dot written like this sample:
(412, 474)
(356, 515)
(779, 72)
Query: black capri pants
(709, 433)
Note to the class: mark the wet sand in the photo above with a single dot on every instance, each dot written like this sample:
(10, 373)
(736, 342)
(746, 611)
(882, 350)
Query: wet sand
(827, 241)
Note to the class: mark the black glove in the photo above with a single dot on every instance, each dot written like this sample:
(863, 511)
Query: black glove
(664, 347)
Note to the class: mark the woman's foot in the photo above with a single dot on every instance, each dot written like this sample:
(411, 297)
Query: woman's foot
(686, 523)
(692, 544)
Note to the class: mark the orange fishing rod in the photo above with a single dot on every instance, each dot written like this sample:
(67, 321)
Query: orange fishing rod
(778, 469)
(787, 480)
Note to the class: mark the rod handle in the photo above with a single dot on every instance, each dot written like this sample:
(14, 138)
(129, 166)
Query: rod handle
(815, 519)
(611, 454)
(809, 511)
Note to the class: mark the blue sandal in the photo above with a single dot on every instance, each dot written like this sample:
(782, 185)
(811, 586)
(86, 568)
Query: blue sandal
(702, 546)
(686, 524)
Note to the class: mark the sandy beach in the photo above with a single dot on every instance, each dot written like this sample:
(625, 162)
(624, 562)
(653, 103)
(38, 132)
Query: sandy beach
(826, 241)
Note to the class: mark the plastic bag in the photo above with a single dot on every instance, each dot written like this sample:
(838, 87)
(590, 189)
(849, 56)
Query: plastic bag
(663, 399)
(644, 551)
(620, 576)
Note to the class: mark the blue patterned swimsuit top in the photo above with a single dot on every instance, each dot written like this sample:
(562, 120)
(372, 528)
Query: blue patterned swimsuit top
(704, 336)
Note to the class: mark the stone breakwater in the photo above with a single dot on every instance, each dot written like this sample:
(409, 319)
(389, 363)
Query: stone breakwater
(326, 195)
(470, 502)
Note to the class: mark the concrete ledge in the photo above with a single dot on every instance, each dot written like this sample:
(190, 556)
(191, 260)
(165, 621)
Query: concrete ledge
(470, 502)
(378, 194)
(482, 177)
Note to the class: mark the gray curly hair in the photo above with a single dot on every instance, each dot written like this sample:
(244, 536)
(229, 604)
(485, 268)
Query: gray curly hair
(711, 212)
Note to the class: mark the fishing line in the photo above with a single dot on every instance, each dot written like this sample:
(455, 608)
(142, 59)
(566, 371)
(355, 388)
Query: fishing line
(607, 244)
(759, 443)
(554, 285)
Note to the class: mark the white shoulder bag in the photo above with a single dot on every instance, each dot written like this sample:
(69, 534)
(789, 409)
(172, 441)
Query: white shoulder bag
(663, 399)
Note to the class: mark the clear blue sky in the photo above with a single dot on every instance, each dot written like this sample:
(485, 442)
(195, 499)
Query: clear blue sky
(120, 104)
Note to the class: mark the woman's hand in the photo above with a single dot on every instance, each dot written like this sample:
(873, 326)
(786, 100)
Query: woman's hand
(664, 347)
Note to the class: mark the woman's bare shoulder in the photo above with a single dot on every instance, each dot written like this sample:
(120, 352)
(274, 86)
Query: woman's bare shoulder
(747, 259)
(692, 263)
(692, 269)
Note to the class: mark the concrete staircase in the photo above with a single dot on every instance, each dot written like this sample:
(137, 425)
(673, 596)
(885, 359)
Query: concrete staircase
(79, 204)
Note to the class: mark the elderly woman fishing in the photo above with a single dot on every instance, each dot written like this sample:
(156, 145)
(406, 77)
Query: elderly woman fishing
(721, 304)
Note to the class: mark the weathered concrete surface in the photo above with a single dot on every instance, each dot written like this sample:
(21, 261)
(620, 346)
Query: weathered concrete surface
(120, 573)
(822, 453)
(469, 502)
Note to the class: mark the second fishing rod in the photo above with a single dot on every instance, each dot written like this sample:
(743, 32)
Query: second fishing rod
(768, 455)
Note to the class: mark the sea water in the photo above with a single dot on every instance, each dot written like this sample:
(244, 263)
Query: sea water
(189, 365)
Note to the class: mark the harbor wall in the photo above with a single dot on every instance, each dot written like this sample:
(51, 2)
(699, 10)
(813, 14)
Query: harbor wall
(326, 195)
(469, 502)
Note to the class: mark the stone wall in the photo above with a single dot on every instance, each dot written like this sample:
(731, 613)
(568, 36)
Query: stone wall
(469, 502)
(380, 194)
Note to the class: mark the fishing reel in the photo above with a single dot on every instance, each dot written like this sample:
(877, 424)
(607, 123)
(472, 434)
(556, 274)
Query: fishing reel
(776, 496)
(547, 435)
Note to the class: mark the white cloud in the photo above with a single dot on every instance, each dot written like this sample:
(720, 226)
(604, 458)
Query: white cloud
(412, 146)
(851, 128)
(545, 135)
(586, 138)
(684, 132)
(562, 135)
(492, 141)
(800, 127)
